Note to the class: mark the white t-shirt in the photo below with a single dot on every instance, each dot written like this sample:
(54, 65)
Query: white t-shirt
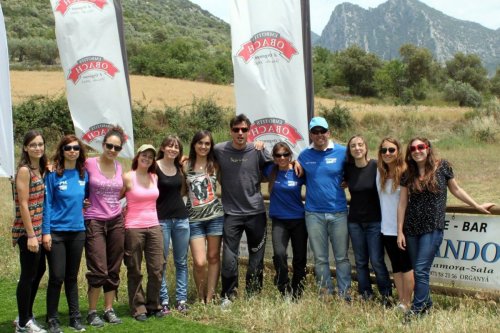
(389, 201)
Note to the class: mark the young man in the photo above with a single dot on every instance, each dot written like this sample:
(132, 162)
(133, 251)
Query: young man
(240, 175)
(326, 207)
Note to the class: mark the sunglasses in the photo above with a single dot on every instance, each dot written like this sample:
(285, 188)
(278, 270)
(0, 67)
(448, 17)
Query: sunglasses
(110, 146)
(70, 147)
(418, 147)
(281, 155)
(319, 131)
(384, 150)
(238, 129)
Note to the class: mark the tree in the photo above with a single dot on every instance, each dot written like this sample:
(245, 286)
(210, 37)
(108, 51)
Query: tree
(468, 68)
(391, 78)
(495, 83)
(358, 68)
(419, 63)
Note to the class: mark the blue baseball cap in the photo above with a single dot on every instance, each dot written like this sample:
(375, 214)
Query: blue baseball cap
(318, 122)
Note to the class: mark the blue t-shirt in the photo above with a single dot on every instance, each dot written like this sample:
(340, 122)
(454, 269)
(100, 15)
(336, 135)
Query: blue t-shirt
(63, 207)
(324, 172)
(285, 200)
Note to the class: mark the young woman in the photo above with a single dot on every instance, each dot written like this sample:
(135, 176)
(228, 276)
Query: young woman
(391, 166)
(206, 215)
(364, 220)
(105, 233)
(173, 217)
(421, 214)
(27, 228)
(64, 230)
(143, 235)
(287, 212)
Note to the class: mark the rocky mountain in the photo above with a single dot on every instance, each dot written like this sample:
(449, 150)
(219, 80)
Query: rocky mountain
(382, 30)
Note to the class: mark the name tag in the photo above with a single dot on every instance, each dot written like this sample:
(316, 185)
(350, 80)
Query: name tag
(330, 160)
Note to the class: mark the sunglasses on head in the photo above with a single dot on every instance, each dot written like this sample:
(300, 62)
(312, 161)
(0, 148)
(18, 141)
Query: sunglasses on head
(384, 150)
(110, 146)
(281, 155)
(317, 131)
(419, 147)
(70, 147)
(238, 129)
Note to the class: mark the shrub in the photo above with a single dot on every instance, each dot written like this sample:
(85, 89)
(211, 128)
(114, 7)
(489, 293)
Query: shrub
(338, 117)
(50, 115)
(463, 93)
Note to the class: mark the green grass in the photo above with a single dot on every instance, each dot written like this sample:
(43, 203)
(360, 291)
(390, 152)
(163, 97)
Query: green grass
(174, 323)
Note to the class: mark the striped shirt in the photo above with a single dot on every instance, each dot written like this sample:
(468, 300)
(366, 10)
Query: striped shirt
(35, 206)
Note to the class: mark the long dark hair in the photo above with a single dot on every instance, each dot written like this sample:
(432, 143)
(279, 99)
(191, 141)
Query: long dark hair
(275, 168)
(383, 168)
(25, 157)
(58, 158)
(169, 141)
(211, 163)
(429, 181)
(115, 131)
(350, 159)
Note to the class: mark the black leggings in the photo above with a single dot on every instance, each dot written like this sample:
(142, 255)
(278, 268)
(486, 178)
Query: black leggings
(32, 270)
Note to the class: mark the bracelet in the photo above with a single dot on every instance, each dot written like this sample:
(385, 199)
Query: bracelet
(34, 236)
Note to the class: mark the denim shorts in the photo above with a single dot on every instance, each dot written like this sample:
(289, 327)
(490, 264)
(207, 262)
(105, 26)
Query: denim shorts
(206, 228)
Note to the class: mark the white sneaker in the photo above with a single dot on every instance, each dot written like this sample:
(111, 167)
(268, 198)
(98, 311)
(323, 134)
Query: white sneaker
(401, 307)
(226, 304)
(31, 327)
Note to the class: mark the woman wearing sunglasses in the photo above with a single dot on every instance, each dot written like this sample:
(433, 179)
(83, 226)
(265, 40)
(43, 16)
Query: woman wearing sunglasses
(421, 214)
(174, 220)
(63, 228)
(105, 233)
(27, 227)
(286, 210)
(364, 220)
(391, 166)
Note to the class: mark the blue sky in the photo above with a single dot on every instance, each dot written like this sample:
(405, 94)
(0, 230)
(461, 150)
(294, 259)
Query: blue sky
(485, 12)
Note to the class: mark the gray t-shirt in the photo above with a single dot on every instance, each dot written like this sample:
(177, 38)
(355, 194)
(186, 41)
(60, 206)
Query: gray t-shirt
(240, 177)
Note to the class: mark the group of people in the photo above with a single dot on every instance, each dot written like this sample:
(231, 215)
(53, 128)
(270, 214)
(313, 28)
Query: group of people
(77, 203)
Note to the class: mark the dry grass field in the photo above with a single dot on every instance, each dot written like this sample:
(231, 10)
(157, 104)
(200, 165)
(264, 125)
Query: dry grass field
(158, 92)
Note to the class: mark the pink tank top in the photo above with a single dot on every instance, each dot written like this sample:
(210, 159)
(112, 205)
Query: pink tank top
(141, 205)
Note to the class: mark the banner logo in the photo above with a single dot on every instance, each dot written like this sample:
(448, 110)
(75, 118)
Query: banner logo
(267, 40)
(98, 131)
(264, 127)
(63, 5)
(91, 63)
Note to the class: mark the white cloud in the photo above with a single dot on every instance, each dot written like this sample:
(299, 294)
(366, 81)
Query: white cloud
(485, 12)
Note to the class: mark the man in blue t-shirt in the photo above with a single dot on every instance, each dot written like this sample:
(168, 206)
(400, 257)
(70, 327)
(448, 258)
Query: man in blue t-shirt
(326, 207)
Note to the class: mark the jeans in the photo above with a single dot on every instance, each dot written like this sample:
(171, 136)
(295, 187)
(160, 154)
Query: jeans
(366, 241)
(322, 227)
(283, 231)
(178, 231)
(147, 242)
(255, 229)
(422, 249)
(32, 270)
(64, 260)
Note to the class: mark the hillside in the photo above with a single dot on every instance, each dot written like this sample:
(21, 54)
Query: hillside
(382, 30)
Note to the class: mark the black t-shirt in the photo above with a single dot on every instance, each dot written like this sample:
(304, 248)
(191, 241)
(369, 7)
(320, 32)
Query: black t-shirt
(170, 204)
(365, 204)
(426, 210)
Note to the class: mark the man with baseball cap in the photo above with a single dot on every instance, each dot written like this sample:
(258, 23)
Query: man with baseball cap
(326, 207)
